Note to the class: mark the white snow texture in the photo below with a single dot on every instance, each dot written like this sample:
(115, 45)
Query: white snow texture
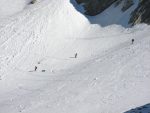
(54, 60)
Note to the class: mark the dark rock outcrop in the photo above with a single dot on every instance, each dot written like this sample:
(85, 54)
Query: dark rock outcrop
(94, 7)
(141, 13)
(33, 1)
(141, 109)
(127, 4)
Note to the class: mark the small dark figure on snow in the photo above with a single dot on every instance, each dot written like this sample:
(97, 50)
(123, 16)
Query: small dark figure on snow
(35, 68)
(75, 56)
(132, 41)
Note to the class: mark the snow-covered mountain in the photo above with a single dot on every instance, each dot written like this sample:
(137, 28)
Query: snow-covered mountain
(54, 59)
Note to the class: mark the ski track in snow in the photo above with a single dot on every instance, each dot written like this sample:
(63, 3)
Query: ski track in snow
(102, 79)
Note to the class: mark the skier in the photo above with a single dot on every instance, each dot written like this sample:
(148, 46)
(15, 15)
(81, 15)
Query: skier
(35, 68)
(132, 41)
(75, 56)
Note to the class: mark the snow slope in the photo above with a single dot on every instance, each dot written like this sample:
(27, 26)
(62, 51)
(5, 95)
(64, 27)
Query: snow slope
(10, 7)
(109, 74)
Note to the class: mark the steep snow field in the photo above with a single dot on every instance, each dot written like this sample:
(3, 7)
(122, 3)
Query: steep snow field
(109, 75)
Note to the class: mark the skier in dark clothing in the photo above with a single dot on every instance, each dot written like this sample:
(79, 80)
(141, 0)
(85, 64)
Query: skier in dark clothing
(35, 68)
(132, 41)
(75, 56)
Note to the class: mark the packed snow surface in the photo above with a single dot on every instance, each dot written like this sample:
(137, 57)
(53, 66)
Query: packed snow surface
(10, 7)
(108, 75)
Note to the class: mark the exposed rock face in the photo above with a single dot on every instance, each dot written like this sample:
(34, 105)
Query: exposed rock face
(33, 1)
(142, 13)
(94, 7)
(127, 4)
